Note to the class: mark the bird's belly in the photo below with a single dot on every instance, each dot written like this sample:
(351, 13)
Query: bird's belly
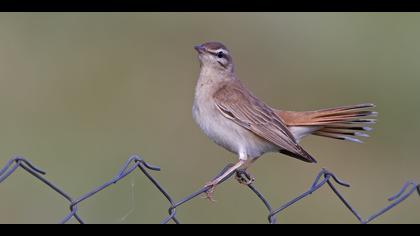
(229, 135)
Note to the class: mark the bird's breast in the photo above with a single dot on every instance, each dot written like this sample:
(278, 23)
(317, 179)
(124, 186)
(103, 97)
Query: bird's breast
(226, 132)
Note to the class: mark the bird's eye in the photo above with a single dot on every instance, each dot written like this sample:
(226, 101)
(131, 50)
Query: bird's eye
(220, 54)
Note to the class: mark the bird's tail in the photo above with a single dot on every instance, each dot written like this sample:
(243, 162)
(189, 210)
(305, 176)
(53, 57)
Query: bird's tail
(344, 123)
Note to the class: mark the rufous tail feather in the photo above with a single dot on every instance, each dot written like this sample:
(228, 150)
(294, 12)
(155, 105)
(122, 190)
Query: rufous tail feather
(344, 123)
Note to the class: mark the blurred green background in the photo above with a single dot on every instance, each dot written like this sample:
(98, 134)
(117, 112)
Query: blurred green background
(80, 93)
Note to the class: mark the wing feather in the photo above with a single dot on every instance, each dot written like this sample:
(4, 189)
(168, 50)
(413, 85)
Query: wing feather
(238, 104)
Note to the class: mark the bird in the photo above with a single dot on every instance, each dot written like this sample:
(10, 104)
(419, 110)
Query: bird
(234, 118)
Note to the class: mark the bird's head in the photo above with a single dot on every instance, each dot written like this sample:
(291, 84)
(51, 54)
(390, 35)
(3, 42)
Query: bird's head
(215, 55)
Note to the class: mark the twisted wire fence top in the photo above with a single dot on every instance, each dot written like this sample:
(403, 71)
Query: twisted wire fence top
(135, 162)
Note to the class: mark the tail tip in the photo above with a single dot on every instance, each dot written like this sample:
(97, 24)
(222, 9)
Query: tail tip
(360, 134)
(367, 128)
(354, 140)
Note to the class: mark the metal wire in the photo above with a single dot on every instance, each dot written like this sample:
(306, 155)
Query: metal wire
(324, 178)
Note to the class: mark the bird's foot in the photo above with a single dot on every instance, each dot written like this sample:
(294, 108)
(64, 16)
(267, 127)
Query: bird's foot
(210, 192)
(243, 177)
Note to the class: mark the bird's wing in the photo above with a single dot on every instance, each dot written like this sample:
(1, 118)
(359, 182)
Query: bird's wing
(238, 104)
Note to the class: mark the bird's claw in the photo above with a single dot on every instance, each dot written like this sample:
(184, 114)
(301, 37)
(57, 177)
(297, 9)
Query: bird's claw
(209, 193)
(244, 177)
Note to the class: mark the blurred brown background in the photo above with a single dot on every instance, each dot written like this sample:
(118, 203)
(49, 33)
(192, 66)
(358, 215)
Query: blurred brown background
(79, 93)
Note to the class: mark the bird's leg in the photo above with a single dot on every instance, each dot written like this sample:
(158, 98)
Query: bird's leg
(212, 184)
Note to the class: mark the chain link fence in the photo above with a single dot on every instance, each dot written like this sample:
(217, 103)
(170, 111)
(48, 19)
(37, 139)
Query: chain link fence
(136, 163)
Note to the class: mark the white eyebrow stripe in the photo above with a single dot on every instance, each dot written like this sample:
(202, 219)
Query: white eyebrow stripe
(219, 50)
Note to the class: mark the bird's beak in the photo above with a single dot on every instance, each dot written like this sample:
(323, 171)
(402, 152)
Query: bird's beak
(200, 48)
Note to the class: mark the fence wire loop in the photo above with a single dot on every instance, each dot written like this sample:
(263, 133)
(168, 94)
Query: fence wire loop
(17, 162)
(136, 162)
(405, 189)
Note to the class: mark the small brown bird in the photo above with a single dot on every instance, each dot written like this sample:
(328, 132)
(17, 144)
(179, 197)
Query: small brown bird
(231, 116)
